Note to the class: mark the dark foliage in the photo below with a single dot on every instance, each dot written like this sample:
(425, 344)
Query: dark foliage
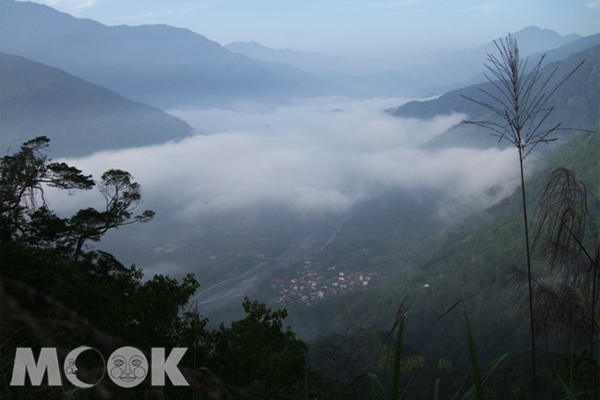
(58, 293)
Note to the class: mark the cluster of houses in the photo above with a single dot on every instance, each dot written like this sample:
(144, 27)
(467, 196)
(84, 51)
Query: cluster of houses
(314, 283)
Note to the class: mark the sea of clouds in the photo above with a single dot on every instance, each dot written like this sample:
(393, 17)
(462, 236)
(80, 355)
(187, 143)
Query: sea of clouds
(311, 156)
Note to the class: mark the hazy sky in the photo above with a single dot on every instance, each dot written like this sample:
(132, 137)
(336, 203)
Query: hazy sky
(391, 29)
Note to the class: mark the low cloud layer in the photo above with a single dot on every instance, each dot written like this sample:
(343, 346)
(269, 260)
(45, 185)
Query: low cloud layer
(312, 157)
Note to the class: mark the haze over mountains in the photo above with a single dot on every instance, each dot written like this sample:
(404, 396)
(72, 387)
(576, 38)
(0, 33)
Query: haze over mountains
(157, 64)
(428, 72)
(312, 62)
(173, 68)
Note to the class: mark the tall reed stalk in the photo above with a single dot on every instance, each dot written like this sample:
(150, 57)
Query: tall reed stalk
(519, 101)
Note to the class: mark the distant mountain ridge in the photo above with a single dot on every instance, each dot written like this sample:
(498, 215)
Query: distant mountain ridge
(309, 61)
(157, 64)
(79, 117)
(421, 74)
(577, 103)
(173, 67)
(461, 65)
(575, 44)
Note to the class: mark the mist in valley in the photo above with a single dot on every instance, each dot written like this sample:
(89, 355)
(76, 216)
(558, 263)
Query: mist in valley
(252, 176)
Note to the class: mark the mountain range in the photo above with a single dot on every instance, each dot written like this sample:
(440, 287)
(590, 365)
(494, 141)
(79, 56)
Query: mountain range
(115, 75)
(461, 65)
(425, 74)
(156, 64)
(78, 116)
(309, 61)
(173, 68)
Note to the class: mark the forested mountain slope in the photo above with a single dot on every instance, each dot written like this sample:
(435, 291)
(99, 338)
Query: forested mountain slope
(473, 262)
(80, 117)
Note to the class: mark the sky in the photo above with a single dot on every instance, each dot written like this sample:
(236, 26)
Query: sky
(358, 29)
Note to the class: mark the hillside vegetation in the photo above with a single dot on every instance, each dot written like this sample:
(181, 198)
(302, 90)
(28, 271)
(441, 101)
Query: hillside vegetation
(475, 261)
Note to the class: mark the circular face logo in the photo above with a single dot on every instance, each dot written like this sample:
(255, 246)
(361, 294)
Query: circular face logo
(70, 367)
(127, 367)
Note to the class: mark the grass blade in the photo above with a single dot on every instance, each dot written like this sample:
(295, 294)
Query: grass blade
(489, 373)
(448, 310)
(477, 381)
(436, 386)
(398, 358)
(375, 381)
(375, 378)
(306, 382)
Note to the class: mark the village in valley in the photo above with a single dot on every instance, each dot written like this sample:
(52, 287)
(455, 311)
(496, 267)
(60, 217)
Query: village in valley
(312, 282)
